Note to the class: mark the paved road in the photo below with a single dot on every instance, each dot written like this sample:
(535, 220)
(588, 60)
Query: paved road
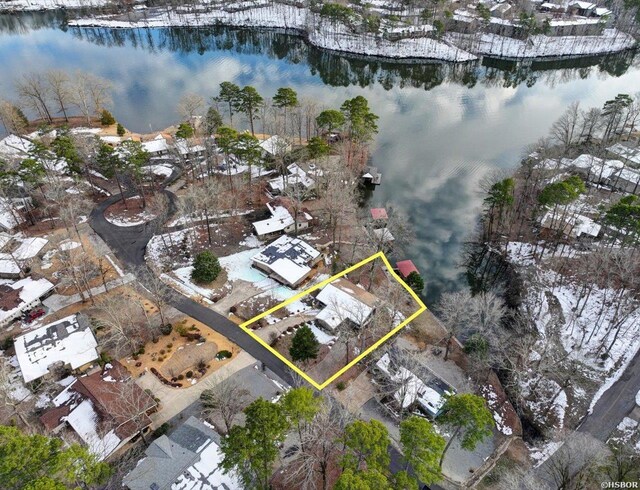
(615, 404)
(129, 244)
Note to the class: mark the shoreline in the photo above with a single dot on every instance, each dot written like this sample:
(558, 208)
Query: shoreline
(323, 34)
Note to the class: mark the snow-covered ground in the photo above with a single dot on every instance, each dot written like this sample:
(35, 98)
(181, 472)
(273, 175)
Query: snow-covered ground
(326, 34)
(138, 218)
(583, 325)
(23, 5)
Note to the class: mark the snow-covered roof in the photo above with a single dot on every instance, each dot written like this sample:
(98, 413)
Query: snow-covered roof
(583, 5)
(156, 145)
(602, 11)
(275, 145)
(574, 225)
(383, 234)
(15, 146)
(185, 148)
(29, 247)
(28, 291)
(289, 258)
(280, 219)
(69, 341)
(114, 140)
(297, 176)
(631, 154)
(9, 217)
(187, 459)
(413, 388)
(344, 300)
(84, 420)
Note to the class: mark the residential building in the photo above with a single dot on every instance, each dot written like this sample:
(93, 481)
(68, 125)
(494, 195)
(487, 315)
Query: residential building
(69, 341)
(105, 409)
(371, 176)
(345, 301)
(405, 268)
(571, 225)
(275, 146)
(187, 458)
(17, 252)
(283, 219)
(20, 296)
(379, 215)
(156, 147)
(407, 389)
(288, 260)
(627, 153)
(297, 178)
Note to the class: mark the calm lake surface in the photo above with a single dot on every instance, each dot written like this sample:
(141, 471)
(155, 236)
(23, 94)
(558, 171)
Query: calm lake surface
(442, 127)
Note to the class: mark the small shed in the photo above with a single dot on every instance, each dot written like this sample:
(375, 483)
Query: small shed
(406, 267)
(379, 214)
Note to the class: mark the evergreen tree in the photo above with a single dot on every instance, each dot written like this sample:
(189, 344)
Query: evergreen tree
(206, 267)
(185, 131)
(285, 98)
(229, 93)
(366, 445)
(466, 417)
(64, 148)
(106, 118)
(120, 130)
(317, 147)
(422, 447)
(363, 480)
(304, 345)
(330, 120)
(249, 102)
(212, 121)
(251, 450)
(40, 462)
(362, 122)
(300, 406)
(415, 282)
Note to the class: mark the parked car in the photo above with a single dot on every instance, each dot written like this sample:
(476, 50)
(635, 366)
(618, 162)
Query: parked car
(33, 315)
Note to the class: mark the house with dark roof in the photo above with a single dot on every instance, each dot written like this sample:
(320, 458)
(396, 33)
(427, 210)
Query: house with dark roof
(105, 409)
(187, 459)
(288, 260)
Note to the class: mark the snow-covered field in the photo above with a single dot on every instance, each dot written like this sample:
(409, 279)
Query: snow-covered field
(335, 36)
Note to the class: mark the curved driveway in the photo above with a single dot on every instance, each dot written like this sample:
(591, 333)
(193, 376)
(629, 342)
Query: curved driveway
(129, 244)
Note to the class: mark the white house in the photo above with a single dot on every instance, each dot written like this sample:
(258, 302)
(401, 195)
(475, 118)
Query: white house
(282, 219)
(20, 296)
(411, 390)
(572, 225)
(69, 341)
(156, 147)
(288, 260)
(275, 146)
(628, 154)
(296, 177)
(345, 301)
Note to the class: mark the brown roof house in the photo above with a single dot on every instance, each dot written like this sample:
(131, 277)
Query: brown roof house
(105, 409)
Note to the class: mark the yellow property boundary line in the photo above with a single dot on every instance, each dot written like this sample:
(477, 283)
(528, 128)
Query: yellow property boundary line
(312, 382)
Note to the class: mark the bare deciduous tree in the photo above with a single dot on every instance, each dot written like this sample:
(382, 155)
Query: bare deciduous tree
(225, 399)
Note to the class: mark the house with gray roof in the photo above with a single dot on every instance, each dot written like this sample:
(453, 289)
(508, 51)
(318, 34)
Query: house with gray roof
(187, 459)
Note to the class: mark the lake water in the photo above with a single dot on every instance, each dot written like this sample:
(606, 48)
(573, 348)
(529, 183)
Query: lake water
(442, 127)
